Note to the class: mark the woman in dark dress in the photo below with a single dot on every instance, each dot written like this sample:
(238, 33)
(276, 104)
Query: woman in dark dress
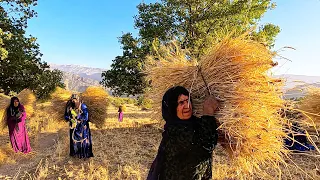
(187, 143)
(80, 135)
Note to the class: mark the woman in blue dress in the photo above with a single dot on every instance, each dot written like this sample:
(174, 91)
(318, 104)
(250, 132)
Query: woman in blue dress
(80, 135)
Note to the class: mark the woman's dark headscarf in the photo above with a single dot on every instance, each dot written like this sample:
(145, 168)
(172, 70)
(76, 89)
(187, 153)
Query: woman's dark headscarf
(12, 102)
(71, 104)
(170, 104)
(14, 111)
(169, 114)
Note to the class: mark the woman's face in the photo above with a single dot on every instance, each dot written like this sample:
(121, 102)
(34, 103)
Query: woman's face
(184, 109)
(75, 102)
(16, 103)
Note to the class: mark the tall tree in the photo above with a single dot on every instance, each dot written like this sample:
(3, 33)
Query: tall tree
(124, 77)
(46, 82)
(197, 25)
(3, 51)
(21, 64)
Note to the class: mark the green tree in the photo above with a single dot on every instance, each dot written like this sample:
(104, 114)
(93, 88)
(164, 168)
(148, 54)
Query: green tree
(196, 24)
(46, 83)
(3, 51)
(125, 76)
(21, 66)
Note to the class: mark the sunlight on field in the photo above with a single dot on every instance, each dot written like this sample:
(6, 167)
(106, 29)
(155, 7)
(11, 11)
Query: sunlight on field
(122, 150)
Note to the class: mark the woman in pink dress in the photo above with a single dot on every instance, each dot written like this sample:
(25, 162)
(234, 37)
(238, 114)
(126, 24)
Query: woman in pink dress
(120, 117)
(16, 119)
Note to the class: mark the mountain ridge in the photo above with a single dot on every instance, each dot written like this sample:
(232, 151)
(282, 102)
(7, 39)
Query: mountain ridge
(78, 77)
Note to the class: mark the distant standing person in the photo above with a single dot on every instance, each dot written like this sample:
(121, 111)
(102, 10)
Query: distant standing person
(120, 117)
(16, 119)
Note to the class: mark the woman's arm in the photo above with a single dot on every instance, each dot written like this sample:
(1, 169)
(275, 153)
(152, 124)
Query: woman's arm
(23, 113)
(207, 132)
(66, 111)
(207, 125)
(9, 117)
(85, 114)
(66, 115)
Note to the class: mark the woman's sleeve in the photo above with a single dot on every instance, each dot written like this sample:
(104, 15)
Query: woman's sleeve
(66, 114)
(24, 114)
(208, 131)
(85, 113)
(9, 117)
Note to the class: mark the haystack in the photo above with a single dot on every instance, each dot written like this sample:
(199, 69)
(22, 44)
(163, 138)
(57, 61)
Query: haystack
(310, 107)
(59, 100)
(96, 98)
(236, 73)
(124, 108)
(4, 104)
(28, 100)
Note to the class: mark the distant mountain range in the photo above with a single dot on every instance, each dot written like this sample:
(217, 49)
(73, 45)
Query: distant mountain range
(296, 85)
(298, 80)
(78, 78)
(85, 72)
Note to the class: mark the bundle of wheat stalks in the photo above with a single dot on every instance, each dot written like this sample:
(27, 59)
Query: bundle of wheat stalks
(59, 99)
(4, 103)
(96, 99)
(28, 100)
(310, 107)
(236, 73)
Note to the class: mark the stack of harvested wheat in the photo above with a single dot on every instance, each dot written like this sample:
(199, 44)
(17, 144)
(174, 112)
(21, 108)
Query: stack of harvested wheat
(4, 103)
(59, 100)
(96, 98)
(310, 107)
(28, 100)
(123, 108)
(236, 72)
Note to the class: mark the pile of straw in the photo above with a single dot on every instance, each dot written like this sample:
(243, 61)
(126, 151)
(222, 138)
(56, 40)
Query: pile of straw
(59, 100)
(310, 107)
(4, 104)
(28, 100)
(96, 99)
(236, 73)
(124, 108)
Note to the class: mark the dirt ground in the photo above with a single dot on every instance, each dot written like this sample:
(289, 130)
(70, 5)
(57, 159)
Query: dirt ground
(121, 151)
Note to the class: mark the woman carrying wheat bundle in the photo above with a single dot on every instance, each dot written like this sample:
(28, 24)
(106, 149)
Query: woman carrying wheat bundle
(16, 119)
(187, 143)
(80, 136)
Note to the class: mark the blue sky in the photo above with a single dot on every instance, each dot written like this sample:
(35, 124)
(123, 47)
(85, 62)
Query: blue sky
(85, 32)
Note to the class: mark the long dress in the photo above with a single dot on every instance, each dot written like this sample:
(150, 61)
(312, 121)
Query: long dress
(186, 150)
(120, 117)
(298, 142)
(68, 117)
(81, 136)
(17, 129)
